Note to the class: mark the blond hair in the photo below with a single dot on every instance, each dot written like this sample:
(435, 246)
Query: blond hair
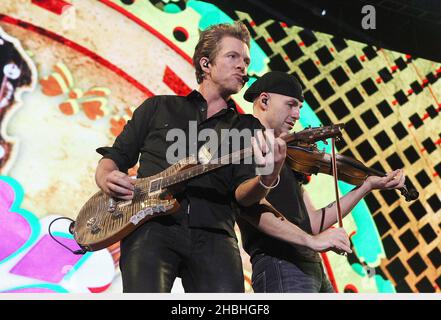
(209, 40)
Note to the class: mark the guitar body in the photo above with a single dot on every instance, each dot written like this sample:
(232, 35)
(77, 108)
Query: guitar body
(104, 220)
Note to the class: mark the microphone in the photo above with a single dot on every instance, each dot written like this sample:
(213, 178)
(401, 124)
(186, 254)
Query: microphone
(245, 78)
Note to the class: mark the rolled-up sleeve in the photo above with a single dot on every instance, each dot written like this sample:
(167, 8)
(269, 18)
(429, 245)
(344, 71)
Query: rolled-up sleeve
(126, 148)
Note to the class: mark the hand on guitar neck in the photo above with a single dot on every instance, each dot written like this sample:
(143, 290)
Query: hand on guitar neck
(113, 182)
(269, 153)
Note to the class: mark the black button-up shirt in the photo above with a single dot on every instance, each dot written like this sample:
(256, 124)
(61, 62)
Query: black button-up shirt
(207, 198)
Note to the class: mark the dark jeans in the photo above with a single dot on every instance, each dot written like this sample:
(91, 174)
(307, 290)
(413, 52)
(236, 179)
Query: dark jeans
(271, 274)
(207, 260)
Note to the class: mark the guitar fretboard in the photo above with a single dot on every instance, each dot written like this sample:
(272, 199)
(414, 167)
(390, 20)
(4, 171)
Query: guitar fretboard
(203, 168)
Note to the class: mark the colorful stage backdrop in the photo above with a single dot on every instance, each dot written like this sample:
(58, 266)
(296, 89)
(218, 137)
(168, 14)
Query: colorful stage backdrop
(73, 71)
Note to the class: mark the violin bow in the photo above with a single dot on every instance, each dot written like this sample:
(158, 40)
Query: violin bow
(337, 194)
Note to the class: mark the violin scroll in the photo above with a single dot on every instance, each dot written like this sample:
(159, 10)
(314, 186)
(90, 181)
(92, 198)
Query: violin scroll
(303, 156)
(409, 195)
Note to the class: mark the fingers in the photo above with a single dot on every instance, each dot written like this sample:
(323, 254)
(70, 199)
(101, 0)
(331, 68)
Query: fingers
(340, 241)
(116, 189)
(263, 146)
(402, 180)
(389, 177)
(335, 239)
(397, 181)
(262, 142)
(121, 197)
(270, 140)
(342, 248)
(269, 153)
(121, 179)
(120, 185)
(394, 179)
(280, 150)
(257, 152)
(343, 243)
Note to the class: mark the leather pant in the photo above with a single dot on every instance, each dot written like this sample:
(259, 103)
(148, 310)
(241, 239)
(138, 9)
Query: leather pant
(207, 260)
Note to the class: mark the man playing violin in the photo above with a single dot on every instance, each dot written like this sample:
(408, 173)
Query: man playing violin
(284, 232)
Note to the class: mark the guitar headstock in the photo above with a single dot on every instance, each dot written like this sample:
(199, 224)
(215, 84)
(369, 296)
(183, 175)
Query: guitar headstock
(314, 134)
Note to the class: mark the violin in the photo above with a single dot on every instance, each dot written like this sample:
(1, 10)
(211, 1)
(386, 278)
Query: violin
(307, 159)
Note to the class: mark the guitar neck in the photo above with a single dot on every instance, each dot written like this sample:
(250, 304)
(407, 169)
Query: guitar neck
(231, 158)
(200, 169)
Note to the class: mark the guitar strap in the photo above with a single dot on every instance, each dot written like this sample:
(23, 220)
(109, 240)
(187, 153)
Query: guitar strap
(210, 149)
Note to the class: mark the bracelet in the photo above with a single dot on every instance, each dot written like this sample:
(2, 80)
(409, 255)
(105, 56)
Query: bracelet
(272, 187)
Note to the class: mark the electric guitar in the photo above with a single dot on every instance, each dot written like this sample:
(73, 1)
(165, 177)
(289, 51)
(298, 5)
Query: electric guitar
(104, 220)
